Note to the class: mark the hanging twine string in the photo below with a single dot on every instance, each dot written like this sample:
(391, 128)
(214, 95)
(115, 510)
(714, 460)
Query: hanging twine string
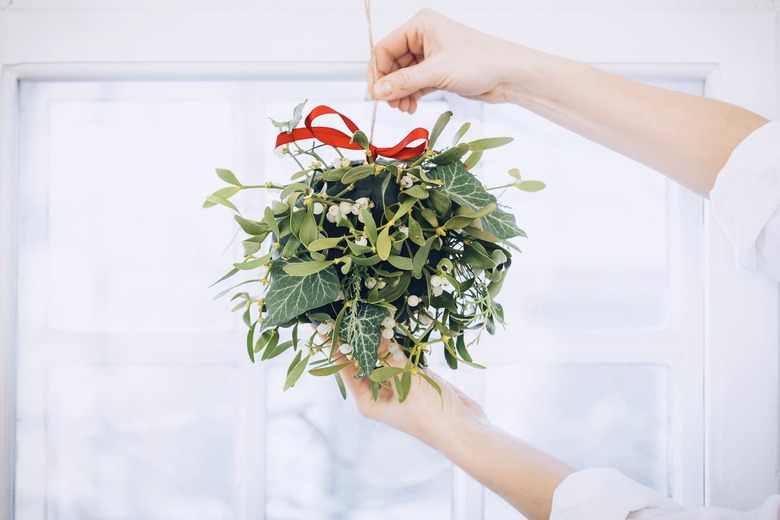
(367, 5)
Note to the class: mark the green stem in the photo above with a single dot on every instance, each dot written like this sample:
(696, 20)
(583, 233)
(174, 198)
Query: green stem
(500, 187)
(267, 185)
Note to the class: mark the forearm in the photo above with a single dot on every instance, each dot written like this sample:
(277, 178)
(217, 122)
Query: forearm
(521, 474)
(688, 138)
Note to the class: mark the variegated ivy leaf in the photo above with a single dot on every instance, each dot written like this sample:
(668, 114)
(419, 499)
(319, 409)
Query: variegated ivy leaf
(360, 327)
(289, 296)
(461, 186)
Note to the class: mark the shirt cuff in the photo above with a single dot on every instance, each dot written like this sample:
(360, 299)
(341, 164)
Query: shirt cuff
(746, 197)
(605, 494)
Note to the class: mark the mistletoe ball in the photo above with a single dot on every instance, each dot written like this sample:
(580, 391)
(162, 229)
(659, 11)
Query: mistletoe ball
(406, 246)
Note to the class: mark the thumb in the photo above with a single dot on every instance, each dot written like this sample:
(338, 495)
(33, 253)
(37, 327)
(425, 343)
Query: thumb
(405, 82)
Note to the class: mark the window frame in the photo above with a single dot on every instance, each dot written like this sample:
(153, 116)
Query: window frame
(740, 465)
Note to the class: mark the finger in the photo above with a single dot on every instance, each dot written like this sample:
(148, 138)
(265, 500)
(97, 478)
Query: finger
(404, 61)
(405, 82)
(406, 40)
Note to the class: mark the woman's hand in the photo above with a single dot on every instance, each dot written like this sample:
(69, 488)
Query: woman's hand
(431, 52)
(456, 426)
(424, 415)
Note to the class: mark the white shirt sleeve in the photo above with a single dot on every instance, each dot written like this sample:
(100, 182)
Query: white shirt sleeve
(746, 200)
(746, 203)
(605, 494)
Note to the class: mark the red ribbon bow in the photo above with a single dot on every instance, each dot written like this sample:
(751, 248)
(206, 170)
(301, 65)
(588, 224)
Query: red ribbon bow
(339, 139)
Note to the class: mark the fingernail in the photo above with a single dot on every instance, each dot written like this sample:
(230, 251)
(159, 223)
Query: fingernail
(382, 88)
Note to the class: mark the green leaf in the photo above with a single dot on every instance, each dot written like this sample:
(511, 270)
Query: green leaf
(458, 222)
(461, 132)
(472, 159)
(307, 268)
(514, 172)
(287, 126)
(329, 370)
(438, 128)
(441, 202)
(400, 262)
(342, 387)
(416, 232)
(296, 221)
(278, 207)
(488, 143)
(297, 114)
(292, 188)
(452, 361)
(452, 155)
(430, 217)
(417, 191)
(250, 247)
(334, 174)
(322, 244)
(357, 173)
(371, 260)
(382, 374)
(299, 174)
(393, 292)
(463, 351)
(254, 263)
(421, 257)
(468, 212)
(277, 349)
(383, 243)
(228, 275)
(530, 185)
(369, 226)
(335, 338)
(403, 386)
(358, 250)
(250, 341)
(296, 372)
(360, 326)
(225, 193)
(502, 224)
(308, 232)
(291, 247)
(495, 286)
(483, 235)
(213, 200)
(403, 208)
(434, 384)
(465, 189)
(265, 338)
(270, 342)
(289, 296)
(476, 256)
(225, 291)
(270, 219)
(251, 227)
(227, 176)
(360, 138)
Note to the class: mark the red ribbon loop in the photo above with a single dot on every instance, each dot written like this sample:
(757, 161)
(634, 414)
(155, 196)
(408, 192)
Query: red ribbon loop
(339, 139)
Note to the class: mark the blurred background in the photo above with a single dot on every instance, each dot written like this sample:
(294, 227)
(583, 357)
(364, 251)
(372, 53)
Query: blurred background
(128, 392)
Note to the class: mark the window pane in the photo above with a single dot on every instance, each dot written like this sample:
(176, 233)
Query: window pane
(591, 416)
(597, 256)
(326, 462)
(125, 178)
(129, 442)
